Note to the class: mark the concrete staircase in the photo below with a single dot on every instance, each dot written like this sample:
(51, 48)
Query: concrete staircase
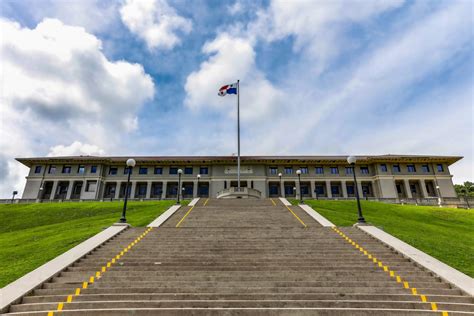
(244, 257)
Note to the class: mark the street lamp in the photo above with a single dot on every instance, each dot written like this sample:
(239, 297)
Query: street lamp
(180, 171)
(279, 175)
(298, 172)
(13, 196)
(197, 190)
(130, 164)
(352, 160)
(439, 196)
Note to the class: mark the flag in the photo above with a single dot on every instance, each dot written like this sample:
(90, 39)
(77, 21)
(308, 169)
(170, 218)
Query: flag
(228, 89)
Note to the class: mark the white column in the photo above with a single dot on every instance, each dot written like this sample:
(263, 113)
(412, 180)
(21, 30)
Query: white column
(312, 188)
(195, 189)
(407, 189)
(117, 190)
(298, 191)
(69, 190)
(423, 188)
(53, 190)
(164, 188)
(132, 191)
(282, 188)
(148, 190)
(328, 189)
(344, 188)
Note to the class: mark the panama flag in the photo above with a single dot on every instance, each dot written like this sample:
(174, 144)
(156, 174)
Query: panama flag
(228, 89)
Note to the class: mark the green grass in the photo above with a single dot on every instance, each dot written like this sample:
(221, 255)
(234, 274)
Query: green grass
(445, 233)
(32, 234)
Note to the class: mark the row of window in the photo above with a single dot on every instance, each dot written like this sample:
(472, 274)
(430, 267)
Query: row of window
(159, 170)
(349, 170)
(66, 169)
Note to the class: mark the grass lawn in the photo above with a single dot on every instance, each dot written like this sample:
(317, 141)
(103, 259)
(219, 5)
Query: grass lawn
(32, 234)
(445, 233)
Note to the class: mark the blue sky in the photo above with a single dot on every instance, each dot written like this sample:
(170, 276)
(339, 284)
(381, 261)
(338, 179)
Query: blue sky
(138, 77)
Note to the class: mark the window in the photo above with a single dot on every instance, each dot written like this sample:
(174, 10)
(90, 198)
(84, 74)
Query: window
(143, 170)
(288, 170)
(440, 168)
(425, 168)
(52, 169)
(81, 169)
(364, 170)
(349, 170)
(188, 170)
(37, 169)
(319, 190)
(66, 169)
(273, 170)
(158, 170)
(350, 189)
(399, 189)
(334, 170)
(396, 168)
(383, 168)
(411, 168)
(126, 170)
(173, 170)
(335, 189)
(204, 170)
(91, 185)
(304, 170)
(93, 169)
(113, 170)
(319, 170)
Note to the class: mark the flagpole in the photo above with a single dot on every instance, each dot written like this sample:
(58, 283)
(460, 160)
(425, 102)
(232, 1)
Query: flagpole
(238, 135)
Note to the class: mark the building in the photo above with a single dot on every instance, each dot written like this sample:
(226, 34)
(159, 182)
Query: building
(395, 178)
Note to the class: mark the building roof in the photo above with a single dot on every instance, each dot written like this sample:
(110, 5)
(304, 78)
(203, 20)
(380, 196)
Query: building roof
(149, 160)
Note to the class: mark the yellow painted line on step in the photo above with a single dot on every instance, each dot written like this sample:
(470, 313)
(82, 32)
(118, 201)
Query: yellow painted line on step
(445, 313)
(413, 291)
(97, 275)
(289, 209)
(423, 298)
(273, 202)
(185, 215)
(205, 203)
(434, 307)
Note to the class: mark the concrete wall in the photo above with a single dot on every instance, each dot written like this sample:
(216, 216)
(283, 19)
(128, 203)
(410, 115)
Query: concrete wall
(446, 187)
(31, 189)
(387, 188)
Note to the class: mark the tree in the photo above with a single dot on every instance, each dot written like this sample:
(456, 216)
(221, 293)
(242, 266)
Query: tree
(465, 189)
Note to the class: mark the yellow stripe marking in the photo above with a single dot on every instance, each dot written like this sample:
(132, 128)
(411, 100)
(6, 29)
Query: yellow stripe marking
(50, 313)
(103, 269)
(108, 264)
(60, 306)
(274, 204)
(392, 274)
(413, 291)
(84, 285)
(444, 313)
(406, 285)
(69, 299)
(423, 298)
(91, 279)
(380, 264)
(434, 307)
(385, 268)
(97, 274)
(185, 215)
(399, 280)
(205, 203)
(78, 291)
(296, 216)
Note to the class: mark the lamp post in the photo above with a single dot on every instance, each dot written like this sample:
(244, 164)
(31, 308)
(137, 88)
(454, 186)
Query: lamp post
(298, 172)
(180, 172)
(352, 160)
(130, 164)
(197, 189)
(439, 195)
(13, 196)
(281, 192)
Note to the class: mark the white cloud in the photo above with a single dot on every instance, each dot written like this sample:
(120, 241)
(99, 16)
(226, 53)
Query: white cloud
(231, 58)
(155, 22)
(57, 86)
(76, 149)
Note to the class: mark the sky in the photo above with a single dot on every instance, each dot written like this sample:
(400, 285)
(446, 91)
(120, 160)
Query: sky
(317, 77)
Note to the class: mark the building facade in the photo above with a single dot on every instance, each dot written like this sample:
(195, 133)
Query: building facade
(391, 177)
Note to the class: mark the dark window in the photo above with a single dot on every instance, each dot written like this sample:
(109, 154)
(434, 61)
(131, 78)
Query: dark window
(67, 169)
(126, 170)
(396, 168)
(158, 170)
(204, 170)
(91, 185)
(143, 170)
(274, 189)
(334, 170)
(350, 189)
(93, 169)
(319, 190)
(113, 170)
(319, 170)
(399, 189)
(335, 189)
(52, 169)
(273, 170)
(288, 170)
(304, 190)
(81, 169)
(173, 170)
(188, 170)
(304, 170)
(411, 168)
(349, 170)
(425, 168)
(142, 190)
(383, 168)
(37, 169)
(440, 168)
(364, 170)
